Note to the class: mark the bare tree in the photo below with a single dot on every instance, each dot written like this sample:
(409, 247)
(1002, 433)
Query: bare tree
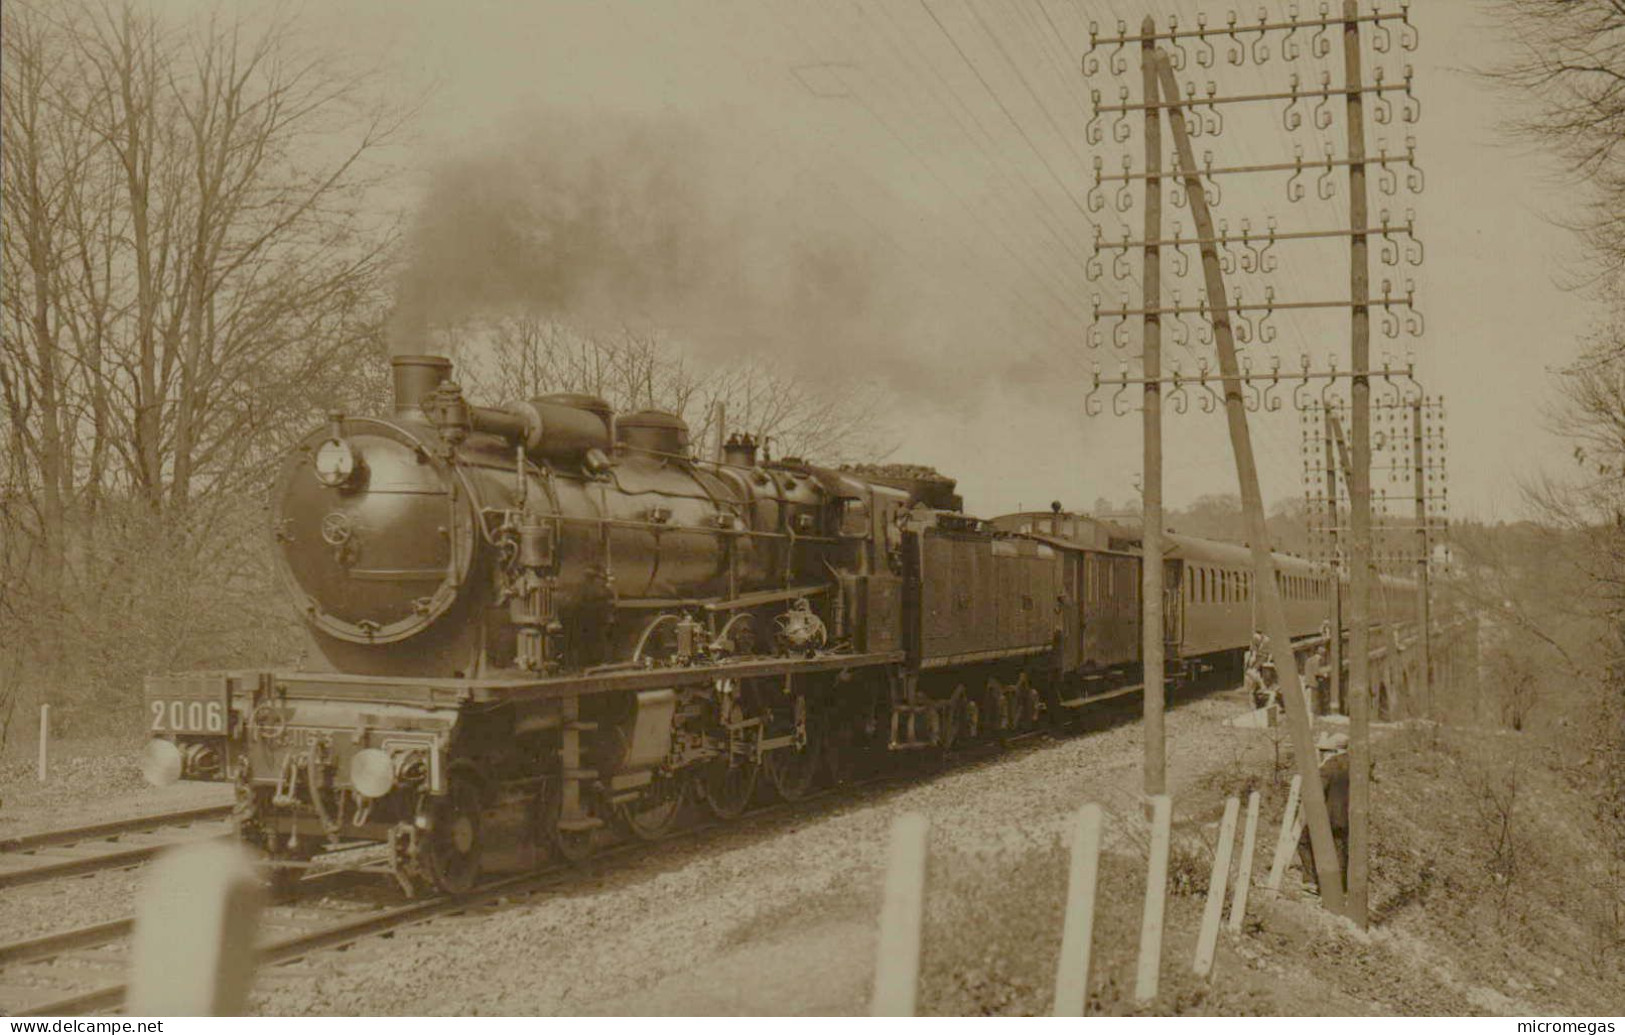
(1568, 75)
(191, 268)
(519, 356)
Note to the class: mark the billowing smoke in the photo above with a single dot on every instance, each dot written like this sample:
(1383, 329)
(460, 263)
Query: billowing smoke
(660, 225)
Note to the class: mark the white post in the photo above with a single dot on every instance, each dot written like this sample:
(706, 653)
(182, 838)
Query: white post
(897, 954)
(1072, 972)
(1208, 940)
(44, 740)
(1244, 872)
(1156, 893)
(195, 929)
(1291, 826)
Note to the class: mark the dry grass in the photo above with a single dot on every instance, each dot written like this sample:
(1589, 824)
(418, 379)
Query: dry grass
(1456, 929)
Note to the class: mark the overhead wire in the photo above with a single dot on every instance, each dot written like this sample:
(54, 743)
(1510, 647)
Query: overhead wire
(1024, 308)
(987, 141)
(995, 231)
(1070, 324)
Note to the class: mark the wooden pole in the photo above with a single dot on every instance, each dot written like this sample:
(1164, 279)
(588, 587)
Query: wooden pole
(1072, 972)
(1423, 559)
(1291, 829)
(1335, 648)
(1252, 503)
(1208, 940)
(195, 928)
(1151, 621)
(44, 741)
(1359, 490)
(1244, 872)
(1156, 894)
(897, 955)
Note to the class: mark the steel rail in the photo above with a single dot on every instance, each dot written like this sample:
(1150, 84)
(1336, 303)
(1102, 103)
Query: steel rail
(44, 867)
(295, 946)
(96, 831)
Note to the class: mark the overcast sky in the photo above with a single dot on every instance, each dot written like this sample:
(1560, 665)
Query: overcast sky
(943, 144)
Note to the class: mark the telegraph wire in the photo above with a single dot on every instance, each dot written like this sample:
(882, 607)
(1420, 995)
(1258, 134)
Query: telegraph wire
(1072, 308)
(1025, 309)
(1007, 113)
(1083, 166)
(990, 156)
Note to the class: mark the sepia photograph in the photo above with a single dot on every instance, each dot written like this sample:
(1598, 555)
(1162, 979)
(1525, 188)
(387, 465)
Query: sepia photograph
(720, 509)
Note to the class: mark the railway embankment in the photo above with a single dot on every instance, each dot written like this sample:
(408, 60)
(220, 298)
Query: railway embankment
(1490, 894)
(778, 917)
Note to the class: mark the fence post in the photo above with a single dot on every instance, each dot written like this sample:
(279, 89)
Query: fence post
(897, 954)
(195, 931)
(1208, 940)
(1291, 824)
(44, 740)
(1244, 872)
(1156, 893)
(1072, 972)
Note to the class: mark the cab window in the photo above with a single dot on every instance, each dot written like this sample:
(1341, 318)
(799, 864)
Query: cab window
(855, 518)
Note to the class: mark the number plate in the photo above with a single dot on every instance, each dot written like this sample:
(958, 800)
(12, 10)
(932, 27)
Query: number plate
(188, 704)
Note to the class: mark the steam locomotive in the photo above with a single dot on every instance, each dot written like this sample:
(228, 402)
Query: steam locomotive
(534, 627)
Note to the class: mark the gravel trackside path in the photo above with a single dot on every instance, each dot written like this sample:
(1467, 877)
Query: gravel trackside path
(774, 916)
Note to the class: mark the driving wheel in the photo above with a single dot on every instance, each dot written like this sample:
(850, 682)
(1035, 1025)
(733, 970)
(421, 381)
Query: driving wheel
(727, 789)
(655, 812)
(794, 771)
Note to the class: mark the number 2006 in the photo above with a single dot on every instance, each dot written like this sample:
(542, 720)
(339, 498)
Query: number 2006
(188, 716)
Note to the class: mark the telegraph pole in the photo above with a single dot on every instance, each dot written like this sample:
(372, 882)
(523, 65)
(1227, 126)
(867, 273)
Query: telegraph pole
(1424, 556)
(1339, 691)
(1228, 319)
(1151, 637)
(1360, 483)
(1266, 585)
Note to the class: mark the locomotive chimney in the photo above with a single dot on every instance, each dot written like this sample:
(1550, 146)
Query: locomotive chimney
(740, 450)
(415, 378)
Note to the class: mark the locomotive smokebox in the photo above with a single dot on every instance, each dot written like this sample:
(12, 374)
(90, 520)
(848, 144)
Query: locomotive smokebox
(415, 378)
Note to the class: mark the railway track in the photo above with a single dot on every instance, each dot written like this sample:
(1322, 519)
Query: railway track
(57, 974)
(75, 972)
(80, 971)
(105, 846)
